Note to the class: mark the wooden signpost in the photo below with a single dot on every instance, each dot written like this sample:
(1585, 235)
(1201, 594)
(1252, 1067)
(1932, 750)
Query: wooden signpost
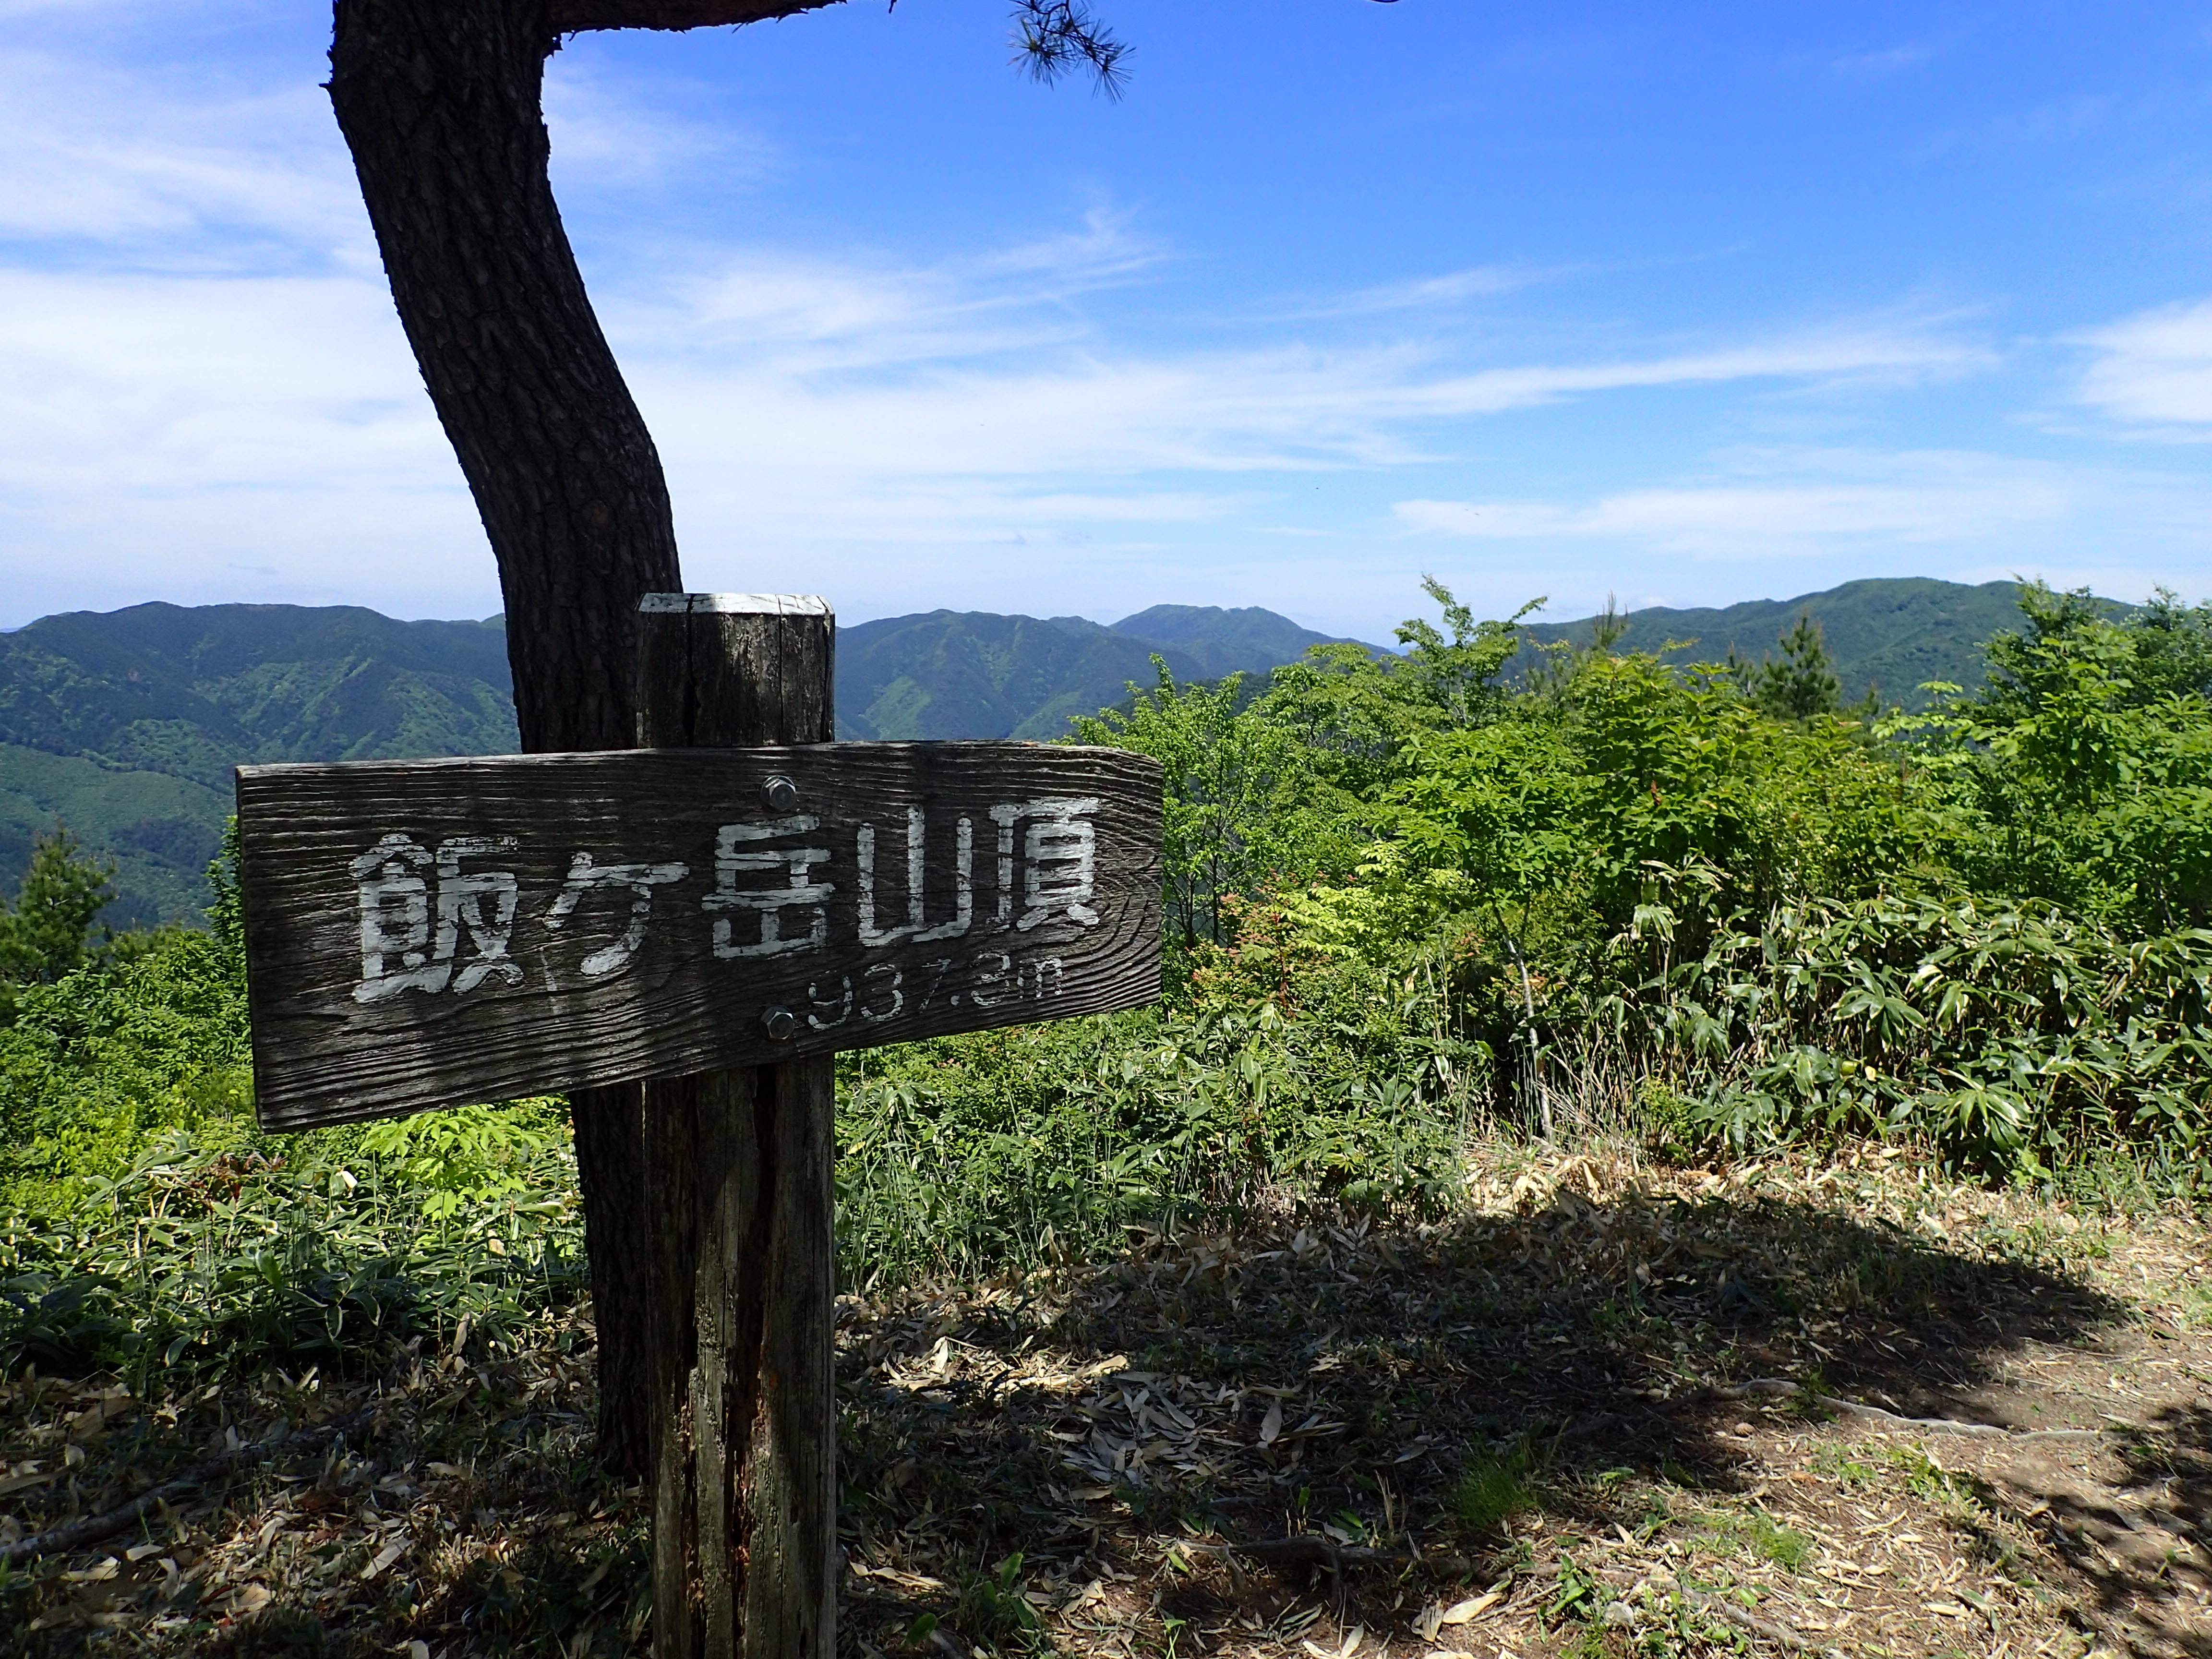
(716, 913)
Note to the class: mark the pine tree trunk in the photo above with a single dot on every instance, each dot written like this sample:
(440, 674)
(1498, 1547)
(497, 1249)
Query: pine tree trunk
(439, 100)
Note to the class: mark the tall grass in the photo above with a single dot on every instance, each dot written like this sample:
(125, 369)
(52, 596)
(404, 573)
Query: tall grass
(1020, 1146)
(196, 1260)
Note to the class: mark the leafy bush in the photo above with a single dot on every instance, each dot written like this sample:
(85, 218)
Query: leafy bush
(1755, 918)
(467, 1155)
(1404, 891)
(99, 1064)
(43, 934)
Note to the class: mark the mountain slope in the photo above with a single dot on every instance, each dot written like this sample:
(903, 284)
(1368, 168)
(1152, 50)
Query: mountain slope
(976, 674)
(126, 725)
(1224, 641)
(1888, 635)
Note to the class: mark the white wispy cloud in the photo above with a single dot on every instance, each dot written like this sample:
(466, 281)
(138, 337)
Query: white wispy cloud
(204, 393)
(181, 426)
(1451, 288)
(605, 137)
(927, 374)
(105, 160)
(2152, 368)
(1784, 504)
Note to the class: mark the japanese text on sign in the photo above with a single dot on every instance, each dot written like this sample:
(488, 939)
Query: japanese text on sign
(443, 918)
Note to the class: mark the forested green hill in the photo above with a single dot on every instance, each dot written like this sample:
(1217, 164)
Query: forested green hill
(1889, 634)
(977, 674)
(124, 724)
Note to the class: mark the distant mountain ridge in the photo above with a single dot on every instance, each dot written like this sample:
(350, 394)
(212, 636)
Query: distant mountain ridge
(1889, 634)
(126, 725)
(978, 674)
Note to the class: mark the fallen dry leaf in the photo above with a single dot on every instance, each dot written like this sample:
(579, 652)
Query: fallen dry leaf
(1473, 1607)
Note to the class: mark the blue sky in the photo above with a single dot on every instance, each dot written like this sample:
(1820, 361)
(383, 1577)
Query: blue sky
(1725, 303)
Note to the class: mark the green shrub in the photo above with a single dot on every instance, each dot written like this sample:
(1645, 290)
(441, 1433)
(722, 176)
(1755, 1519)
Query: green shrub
(1015, 1146)
(98, 1065)
(467, 1155)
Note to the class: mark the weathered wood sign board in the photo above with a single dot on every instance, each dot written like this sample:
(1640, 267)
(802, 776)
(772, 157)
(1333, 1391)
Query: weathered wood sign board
(425, 933)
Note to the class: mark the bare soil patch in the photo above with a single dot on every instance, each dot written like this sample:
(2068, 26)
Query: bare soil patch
(1586, 1416)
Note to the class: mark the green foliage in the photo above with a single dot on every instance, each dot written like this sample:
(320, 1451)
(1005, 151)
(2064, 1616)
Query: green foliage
(1492, 1490)
(1894, 633)
(1355, 711)
(1927, 1479)
(468, 1155)
(98, 1065)
(1406, 892)
(1021, 1145)
(1764, 1536)
(1238, 817)
(1578, 1596)
(1804, 683)
(2020, 1038)
(44, 935)
(145, 1037)
(1760, 916)
(2085, 762)
(1636, 780)
(194, 1259)
(993, 1608)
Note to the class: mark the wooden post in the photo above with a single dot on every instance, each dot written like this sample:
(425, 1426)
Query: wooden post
(738, 1193)
(738, 893)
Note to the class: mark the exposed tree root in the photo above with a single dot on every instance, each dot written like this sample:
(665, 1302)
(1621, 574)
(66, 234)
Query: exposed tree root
(93, 1527)
(1770, 1386)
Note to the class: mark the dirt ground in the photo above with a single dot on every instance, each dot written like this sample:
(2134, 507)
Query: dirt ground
(1608, 1409)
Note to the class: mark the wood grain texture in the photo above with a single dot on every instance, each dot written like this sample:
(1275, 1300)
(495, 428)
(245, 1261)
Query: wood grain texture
(732, 670)
(740, 1327)
(533, 1000)
(741, 1166)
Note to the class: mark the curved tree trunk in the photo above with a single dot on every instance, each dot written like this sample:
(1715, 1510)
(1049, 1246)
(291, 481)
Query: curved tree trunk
(439, 100)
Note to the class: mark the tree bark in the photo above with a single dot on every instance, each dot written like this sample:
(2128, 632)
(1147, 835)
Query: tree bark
(579, 14)
(440, 102)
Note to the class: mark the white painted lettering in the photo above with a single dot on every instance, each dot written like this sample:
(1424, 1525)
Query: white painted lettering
(737, 852)
(1060, 859)
(898, 997)
(399, 918)
(842, 1003)
(586, 877)
(998, 980)
(915, 927)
